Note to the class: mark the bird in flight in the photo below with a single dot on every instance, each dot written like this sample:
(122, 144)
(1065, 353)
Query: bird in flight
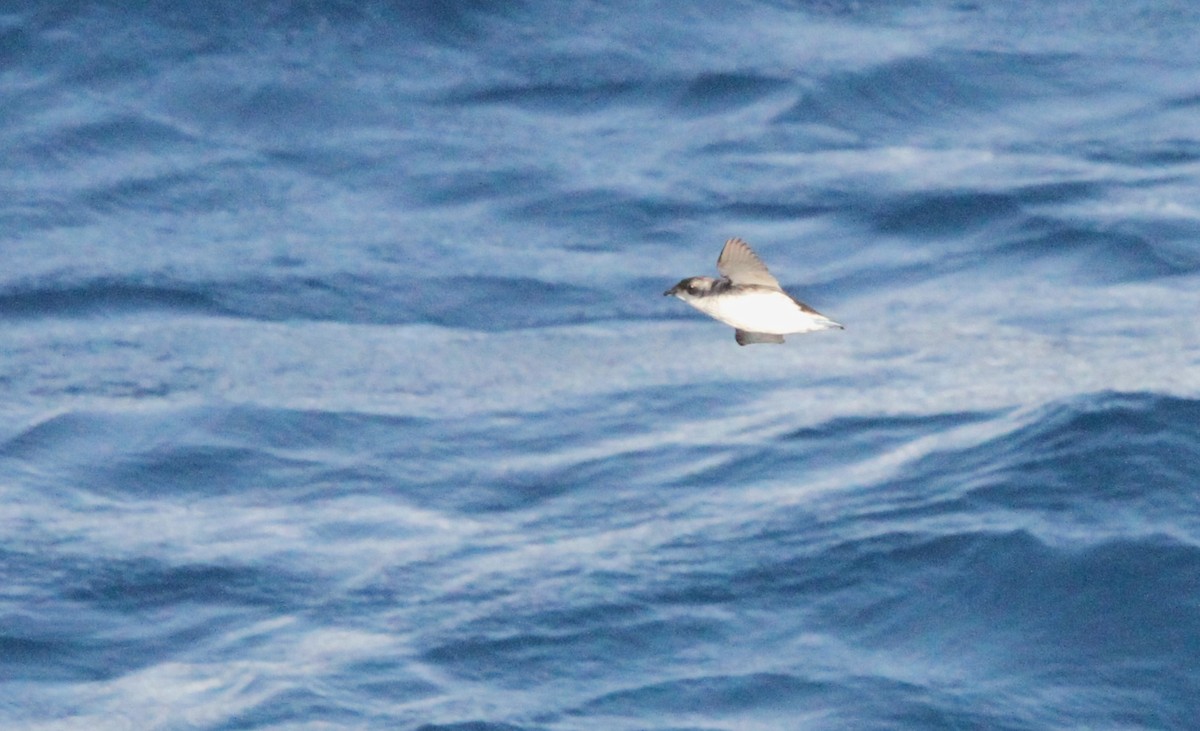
(750, 299)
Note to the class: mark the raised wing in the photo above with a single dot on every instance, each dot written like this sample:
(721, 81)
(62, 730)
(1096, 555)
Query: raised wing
(741, 265)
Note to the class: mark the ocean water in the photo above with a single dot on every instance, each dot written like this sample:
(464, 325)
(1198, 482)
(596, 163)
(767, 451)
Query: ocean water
(337, 389)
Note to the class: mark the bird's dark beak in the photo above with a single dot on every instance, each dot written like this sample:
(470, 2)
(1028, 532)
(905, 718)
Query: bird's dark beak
(671, 291)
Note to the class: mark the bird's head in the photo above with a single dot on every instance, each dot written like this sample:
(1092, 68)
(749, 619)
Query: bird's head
(691, 288)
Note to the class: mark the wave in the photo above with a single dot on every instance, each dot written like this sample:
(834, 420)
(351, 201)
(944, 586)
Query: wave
(698, 95)
(102, 296)
(914, 93)
(488, 303)
(1092, 454)
(714, 696)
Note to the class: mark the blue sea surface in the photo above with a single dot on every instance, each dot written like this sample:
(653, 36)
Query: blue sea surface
(338, 391)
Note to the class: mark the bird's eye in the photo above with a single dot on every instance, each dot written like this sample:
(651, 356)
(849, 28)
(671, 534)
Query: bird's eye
(693, 289)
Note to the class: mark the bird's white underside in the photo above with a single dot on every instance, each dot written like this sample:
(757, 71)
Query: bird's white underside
(761, 311)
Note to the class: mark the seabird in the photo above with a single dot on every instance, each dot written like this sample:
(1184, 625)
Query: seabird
(750, 299)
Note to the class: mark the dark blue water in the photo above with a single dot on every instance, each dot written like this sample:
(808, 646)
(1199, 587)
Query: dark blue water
(337, 389)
